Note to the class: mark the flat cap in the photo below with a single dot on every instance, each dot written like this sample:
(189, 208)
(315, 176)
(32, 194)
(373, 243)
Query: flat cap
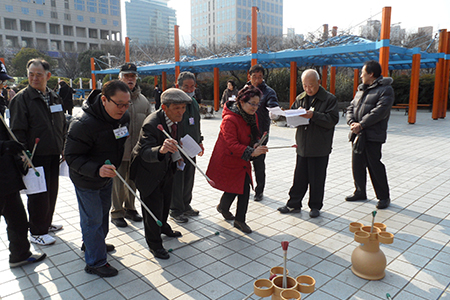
(3, 74)
(128, 68)
(175, 96)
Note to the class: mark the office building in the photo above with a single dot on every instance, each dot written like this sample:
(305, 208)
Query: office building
(150, 22)
(215, 22)
(55, 26)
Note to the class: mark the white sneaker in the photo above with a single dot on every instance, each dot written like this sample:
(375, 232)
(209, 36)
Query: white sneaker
(54, 228)
(43, 240)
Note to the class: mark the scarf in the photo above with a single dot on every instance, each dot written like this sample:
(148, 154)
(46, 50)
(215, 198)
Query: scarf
(250, 120)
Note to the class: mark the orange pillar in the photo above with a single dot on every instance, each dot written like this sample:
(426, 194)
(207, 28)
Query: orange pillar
(3, 60)
(177, 52)
(324, 76)
(164, 81)
(385, 35)
(355, 81)
(216, 89)
(333, 80)
(447, 77)
(94, 84)
(414, 89)
(156, 80)
(438, 80)
(127, 49)
(293, 88)
(254, 34)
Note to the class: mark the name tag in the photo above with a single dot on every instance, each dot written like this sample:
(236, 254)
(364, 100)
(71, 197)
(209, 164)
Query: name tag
(56, 108)
(121, 132)
(7, 114)
(191, 121)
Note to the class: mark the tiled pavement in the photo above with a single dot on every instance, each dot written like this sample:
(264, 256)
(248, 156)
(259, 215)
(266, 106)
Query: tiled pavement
(225, 266)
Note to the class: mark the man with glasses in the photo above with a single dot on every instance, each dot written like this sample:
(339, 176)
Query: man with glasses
(96, 135)
(122, 198)
(37, 112)
(268, 99)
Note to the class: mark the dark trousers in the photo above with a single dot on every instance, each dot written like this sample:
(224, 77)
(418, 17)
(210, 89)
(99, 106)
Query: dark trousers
(11, 208)
(42, 206)
(183, 184)
(259, 166)
(242, 204)
(159, 203)
(312, 172)
(370, 158)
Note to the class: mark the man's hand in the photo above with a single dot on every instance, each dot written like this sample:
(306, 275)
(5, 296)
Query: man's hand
(107, 171)
(169, 145)
(309, 114)
(12, 148)
(355, 128)
(203, 150)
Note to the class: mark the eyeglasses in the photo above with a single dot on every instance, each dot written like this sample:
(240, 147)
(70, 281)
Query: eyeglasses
(120, 106)
(253, 104)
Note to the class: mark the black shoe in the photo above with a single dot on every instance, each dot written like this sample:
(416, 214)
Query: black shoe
(286, 210)
(356, 197)
(242, 226)
(174, 233)
(109, 247)
(258, 197)
(383, 203)
(179, 219)
(226, 214)
(314, 213)
(119, 222)
(133, 215)
(103, 271)
(191, 213)
(160, 253)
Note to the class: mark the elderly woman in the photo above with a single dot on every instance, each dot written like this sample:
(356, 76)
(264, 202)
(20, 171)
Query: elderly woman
(229, 92)
(236, 145)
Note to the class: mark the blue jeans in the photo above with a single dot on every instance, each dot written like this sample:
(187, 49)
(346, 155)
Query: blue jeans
(94, 206)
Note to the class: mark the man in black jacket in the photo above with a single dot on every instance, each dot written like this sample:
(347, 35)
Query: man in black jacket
(96, 135)
(368, 116)
(37, 112)
(268, 99)
(153, 166)
(11, 206)
(314, 143)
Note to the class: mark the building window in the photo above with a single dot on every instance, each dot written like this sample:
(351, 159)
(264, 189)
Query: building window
(10, 24)
(25, 25)
(93, 33)
(104, 21)
(39, 2)
(68, 30)
(66, 4)
(81, 32)
(55, 29)
(69, 46)
(80, 18)
(104, 34)
(25, 10)
(67, 17)
(41, 27)
(42, 44)
(92, 20)
(39, 12)
(116, 23)
(79, 5)
(53, 3)
(53, 15)
(55, 45)
(28, 1)
(9, 8)
(91, 6)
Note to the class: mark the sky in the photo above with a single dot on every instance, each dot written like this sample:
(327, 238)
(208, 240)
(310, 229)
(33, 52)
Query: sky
(309, 16)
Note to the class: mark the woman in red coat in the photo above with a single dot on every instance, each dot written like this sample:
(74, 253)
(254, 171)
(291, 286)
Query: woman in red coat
(229, 166)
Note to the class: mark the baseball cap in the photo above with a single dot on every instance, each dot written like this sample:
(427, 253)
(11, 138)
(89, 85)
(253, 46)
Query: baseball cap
(128, 68)
(3, 73)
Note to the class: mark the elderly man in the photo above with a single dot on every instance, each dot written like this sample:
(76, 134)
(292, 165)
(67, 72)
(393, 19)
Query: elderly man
(183, 182)
(314, 143)
(268, 99)
(37, 112)
(154, 161)
(95, 135)
(122, 198)
(368, 116)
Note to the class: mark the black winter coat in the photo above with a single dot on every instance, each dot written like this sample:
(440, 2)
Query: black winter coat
(268, 99)
(91, 141)
(371, 107)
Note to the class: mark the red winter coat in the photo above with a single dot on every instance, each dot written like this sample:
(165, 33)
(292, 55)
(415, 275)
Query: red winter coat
(227, 168)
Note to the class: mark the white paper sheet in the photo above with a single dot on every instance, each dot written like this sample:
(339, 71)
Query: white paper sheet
(190, 146)
(293, 116)
(33, 183)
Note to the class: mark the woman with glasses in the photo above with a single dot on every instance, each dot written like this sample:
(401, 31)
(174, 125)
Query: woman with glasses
(236, 145)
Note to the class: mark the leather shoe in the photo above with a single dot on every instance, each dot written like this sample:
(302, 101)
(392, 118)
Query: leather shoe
(103, 271)
(174, 233)
(119, 222)
(242, 226)
(356, 197)
(191, 213)
(383, 203)
(109, 247)
(286, 209)
(258, 197)
(179, 219)
(226, 214)
(133, 215)
(160, 253)
(314, 213)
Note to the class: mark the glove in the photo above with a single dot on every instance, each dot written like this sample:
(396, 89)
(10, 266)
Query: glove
(12, 147)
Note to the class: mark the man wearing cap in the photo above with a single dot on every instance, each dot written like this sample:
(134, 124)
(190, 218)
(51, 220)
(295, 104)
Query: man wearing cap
(11, 206)
(37, 113)
(122, 198)
(154, 161)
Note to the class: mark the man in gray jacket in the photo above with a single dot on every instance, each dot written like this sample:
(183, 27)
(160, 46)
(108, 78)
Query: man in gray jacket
(122, 198)
(313, 144)
(368, 116)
